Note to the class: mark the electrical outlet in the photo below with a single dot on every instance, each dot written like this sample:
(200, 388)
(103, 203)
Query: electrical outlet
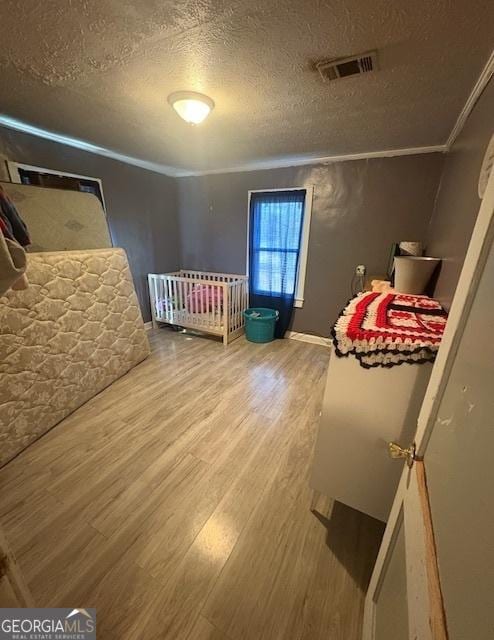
(360, 270)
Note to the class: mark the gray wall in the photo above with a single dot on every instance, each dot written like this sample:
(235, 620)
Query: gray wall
(141, 205)
(360, 208)
(457, 201)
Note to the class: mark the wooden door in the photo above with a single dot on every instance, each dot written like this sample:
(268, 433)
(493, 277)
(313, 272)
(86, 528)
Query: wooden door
(434, 576)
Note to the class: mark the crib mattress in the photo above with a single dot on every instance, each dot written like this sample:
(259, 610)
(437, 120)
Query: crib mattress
(76, 329)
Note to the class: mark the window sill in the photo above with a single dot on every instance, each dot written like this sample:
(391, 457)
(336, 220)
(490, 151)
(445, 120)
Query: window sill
(298, 303)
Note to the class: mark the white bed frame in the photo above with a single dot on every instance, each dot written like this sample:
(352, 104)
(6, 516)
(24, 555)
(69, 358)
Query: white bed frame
(224, 295)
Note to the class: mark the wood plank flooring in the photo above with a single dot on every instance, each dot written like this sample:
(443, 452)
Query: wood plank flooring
(176, 502)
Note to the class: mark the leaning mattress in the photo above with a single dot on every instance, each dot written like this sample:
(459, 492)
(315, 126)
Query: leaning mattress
(75, 330)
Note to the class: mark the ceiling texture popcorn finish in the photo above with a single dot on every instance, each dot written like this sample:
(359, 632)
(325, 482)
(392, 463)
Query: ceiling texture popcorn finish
(101, 71)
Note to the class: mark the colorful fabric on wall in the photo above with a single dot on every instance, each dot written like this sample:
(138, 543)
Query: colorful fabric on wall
(12, 265)
(14, 236)
(388, 329)
(11, 223)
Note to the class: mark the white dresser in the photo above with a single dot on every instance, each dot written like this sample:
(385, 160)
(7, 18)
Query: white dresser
(363, 410)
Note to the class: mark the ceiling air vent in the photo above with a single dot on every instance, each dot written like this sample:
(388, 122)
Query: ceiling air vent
(355, 65)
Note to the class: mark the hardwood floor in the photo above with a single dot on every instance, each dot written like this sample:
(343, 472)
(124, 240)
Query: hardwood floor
(176, 502)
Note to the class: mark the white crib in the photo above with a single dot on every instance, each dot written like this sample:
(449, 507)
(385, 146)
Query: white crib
(210, 302)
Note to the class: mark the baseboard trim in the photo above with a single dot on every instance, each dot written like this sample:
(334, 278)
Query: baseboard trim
(148, 325)
(307, 337)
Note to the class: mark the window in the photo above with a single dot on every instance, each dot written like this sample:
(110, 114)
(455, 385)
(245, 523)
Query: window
(279, 223)
(40, 177)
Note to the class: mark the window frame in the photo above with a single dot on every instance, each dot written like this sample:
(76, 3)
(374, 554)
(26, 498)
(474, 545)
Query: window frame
(15, 177)
(304, 241)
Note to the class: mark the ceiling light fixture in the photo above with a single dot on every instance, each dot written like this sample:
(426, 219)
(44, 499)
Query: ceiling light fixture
(191, 106)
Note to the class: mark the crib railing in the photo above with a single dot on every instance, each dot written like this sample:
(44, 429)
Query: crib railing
(206, 301)
(238, 301)
(210, 275)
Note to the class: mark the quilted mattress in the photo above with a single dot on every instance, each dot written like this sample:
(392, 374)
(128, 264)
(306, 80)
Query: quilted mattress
(60, 219)
(75, 330)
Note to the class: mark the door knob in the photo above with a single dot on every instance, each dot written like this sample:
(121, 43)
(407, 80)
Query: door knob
(397, 452)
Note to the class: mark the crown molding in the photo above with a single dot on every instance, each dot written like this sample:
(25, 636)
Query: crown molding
(24, 127)
(272, 163)
(176, 172)
(298, 161)
(478, 88)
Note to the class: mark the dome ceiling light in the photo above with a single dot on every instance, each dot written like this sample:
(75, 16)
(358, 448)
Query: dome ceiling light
(191, 106)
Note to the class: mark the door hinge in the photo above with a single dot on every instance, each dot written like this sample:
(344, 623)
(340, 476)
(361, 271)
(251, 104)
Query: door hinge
(401, 453)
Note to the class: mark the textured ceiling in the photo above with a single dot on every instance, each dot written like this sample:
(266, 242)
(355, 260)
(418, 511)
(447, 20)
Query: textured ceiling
(101, 70)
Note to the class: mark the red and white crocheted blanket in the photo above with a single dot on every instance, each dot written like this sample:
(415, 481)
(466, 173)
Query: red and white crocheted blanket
(387, 329)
